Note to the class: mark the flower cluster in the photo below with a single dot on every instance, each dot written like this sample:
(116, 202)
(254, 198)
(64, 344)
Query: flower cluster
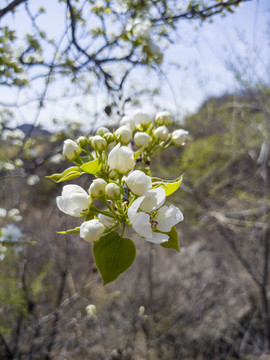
(130, 196)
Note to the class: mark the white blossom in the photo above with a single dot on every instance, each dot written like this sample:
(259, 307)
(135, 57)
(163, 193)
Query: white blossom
(14, 214)
(3, 212)
(98, 143)
(123, 134)
(142, 139)
(179, 137)
(102, 130)
(161, 133)
(142, 29)
(138, 182)
(97, 188)
(107, 221)
(148, 214)
(32, 180)
(127, 121)
(73, 201)
(91, 230)
(141, 118)
(71, 150)
(91, 310)
(11, 233)
(163, 118)
(112, 191)
(121, 159)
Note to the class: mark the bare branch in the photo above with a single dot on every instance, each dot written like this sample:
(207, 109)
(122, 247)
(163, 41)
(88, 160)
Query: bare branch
(11, 7)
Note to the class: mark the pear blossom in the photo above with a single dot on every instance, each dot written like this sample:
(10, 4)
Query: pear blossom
(179, 137)
(161, 133)
(138, 182)
(71, 150)
(141, 118)
(107, 221)
(32, 180)
(121, 159)
(91, 230)
(127, 121)
(163, 118)
(98, 143)
(123, 134)
(142, 139)
(112, 191)
(148, 214)
(102, 131)
(11, 233)
(3, 212)
(91, 310)
(141, 29)
(73, 201)
(97, 188)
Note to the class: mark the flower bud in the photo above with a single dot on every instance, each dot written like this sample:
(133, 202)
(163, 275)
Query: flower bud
(82, 141)
(179, 137)
(98, 143)
(161, 133)
(91, 230)
(142, 30)
(138, 182)
(112, 191)
(124, 135)
(163, 118)
(107, 221)
(108, 137)
(97, 188)
(73, 201)
(71, 150)
(142, 139)
(91, 310)
(121, 159)
(141, 118)
(102, 131)
(127, 121)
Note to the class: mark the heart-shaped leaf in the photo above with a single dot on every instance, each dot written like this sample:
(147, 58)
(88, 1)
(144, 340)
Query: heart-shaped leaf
(92, 167)
(172, 243)
(113, 255)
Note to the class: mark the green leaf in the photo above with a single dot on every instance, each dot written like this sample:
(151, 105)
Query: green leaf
(172, 243)
(138, 153)
(170, 186)
(71, 173)
(70, 231)
(92, 167)
(113, 255)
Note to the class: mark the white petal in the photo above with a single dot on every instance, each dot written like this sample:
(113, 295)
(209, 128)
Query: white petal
(141, 224)
(134, 207)
(153, 200)
(167, 217)
(69, 189)
(158, 238)
(68, 207)
(73, 204)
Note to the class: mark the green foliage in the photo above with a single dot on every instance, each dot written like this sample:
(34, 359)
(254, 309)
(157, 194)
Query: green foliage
(173, 242)
(92, 167)
(69, 174)
(113, 255)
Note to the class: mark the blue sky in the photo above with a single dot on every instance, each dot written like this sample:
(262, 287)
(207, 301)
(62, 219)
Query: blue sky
(202, 53)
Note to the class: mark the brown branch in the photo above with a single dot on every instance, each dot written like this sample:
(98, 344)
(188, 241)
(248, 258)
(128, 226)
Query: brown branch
(11, 7)
(207, 12)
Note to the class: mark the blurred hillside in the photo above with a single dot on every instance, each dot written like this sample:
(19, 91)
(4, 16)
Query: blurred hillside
(208, 302)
